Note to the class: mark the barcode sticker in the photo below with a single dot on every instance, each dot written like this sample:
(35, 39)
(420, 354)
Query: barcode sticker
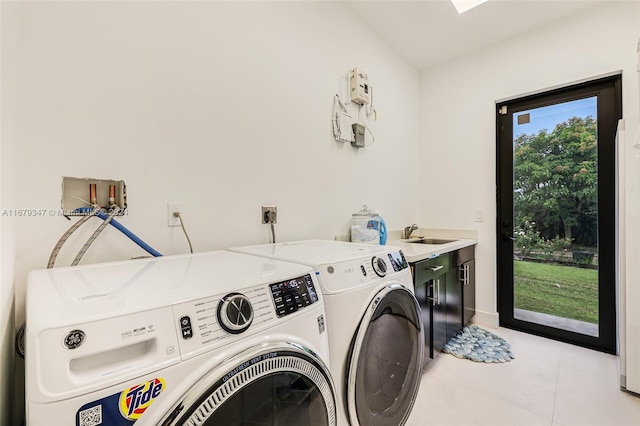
(91, 416)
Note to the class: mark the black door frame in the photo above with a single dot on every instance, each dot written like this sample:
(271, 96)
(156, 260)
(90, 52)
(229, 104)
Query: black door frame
(609, 106)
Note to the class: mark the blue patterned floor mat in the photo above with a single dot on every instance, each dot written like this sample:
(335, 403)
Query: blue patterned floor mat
(479, 345)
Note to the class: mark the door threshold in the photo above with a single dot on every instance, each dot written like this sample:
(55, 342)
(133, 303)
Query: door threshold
(567, 324)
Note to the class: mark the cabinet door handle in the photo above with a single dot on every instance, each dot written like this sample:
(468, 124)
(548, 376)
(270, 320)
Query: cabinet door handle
(437, 289)
(436, 268)
(464, 272)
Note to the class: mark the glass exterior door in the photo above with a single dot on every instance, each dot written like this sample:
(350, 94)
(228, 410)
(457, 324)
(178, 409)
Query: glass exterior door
(555, 215)
(556, 205)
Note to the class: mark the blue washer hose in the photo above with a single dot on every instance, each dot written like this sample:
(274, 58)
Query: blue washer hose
(120, 227)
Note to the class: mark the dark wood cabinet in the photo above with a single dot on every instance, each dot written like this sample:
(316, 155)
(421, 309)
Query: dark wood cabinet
(466, 263)
(423, 294)
(439, 313)
(454, 302)
(445, 288)
(430, 283)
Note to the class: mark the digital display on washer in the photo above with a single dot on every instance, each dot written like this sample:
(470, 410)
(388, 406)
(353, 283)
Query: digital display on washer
(398, 261)
(291, 295)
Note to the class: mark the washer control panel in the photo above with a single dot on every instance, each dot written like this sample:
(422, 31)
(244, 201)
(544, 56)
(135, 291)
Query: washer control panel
(291, 295)
(204, 323)
(221, 319)
(235, 313)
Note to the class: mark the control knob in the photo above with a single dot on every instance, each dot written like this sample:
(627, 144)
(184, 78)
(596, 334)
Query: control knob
(235, 313)
(379, 267)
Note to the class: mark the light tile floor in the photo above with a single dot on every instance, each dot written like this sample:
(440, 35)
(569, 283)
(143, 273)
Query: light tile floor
(549, 383)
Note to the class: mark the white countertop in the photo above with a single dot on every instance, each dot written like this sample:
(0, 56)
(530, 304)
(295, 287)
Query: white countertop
(415, 252)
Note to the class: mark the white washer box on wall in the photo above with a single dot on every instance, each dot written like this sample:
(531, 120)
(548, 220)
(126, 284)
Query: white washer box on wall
(77, 193)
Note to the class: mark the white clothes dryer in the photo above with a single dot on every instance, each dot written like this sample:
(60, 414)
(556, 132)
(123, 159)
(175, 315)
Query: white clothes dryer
(374, 322)
(202, 339)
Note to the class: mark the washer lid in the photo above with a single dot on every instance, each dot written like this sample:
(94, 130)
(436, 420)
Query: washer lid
(62, 296)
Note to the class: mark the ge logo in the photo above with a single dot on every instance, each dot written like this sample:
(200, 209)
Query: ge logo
(74, 339)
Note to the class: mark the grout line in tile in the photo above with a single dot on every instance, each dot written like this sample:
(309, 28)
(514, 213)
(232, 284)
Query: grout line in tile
(555, 393)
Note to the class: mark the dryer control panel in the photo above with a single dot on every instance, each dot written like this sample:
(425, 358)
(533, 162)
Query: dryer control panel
(380, 265)
(398, 262)
(341, 276)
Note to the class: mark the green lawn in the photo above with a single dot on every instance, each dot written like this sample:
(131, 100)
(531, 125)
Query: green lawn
(563, 291)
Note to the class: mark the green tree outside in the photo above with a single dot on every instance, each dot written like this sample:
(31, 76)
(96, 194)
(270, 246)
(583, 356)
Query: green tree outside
(555, 182)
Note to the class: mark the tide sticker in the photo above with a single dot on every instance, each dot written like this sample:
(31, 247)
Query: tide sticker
(135, 400)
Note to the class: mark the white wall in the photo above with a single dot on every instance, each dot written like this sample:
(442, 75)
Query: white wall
(220, 106)
(6, 248)
(457, 123)
(7, 313)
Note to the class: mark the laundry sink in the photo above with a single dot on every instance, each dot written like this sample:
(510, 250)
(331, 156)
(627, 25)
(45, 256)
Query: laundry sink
(428, 241)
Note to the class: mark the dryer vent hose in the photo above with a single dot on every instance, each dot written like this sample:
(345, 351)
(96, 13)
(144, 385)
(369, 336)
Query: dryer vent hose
(20, 341)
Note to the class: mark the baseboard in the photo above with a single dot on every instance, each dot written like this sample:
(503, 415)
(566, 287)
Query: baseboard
(486, 319)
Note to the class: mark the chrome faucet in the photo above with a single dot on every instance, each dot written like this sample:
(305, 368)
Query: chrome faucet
(408, 230)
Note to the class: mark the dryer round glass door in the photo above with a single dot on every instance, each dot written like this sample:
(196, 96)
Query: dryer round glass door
(386, 360)
(281, 385)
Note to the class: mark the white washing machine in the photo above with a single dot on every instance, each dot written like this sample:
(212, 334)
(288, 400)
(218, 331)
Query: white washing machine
(203, 339)
(374, 322)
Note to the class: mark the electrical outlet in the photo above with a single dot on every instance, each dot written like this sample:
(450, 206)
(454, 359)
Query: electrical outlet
(479, 216)
(269, 214)
(171, 209)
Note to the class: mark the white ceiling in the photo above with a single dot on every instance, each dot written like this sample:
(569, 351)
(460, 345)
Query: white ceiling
(428, 32)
